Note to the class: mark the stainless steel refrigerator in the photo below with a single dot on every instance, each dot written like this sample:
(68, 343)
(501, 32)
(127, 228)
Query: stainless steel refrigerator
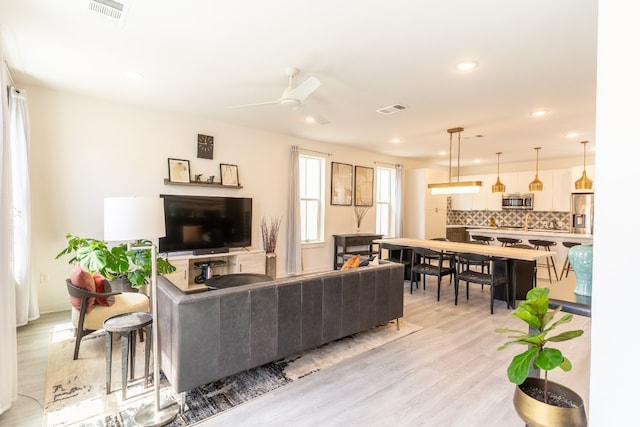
(582, 213)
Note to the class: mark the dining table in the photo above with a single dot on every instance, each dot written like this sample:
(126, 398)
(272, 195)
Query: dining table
(521, 262)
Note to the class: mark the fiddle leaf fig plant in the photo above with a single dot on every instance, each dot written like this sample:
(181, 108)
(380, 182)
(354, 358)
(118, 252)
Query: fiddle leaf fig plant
(535, 312)
(116, 262)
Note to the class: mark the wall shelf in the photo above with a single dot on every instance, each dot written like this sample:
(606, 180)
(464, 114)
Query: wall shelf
(201, 184)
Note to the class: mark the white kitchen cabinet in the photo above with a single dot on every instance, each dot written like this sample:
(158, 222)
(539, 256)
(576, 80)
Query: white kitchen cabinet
(543, 200)
(462, 202)
(510, 181)
(562, 185)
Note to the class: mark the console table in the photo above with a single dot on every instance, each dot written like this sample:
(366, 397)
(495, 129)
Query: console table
(353, 244)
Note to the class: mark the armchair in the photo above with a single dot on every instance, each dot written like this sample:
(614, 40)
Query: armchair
(89, 319)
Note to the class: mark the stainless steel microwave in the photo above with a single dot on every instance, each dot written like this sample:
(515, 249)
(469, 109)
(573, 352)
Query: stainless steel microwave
(517, 201)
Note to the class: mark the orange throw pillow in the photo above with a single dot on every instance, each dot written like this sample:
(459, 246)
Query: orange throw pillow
(82, 279)
(352, 262)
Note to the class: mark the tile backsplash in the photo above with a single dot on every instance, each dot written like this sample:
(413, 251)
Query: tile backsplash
(509, 218)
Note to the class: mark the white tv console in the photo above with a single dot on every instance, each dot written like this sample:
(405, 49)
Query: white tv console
(234, 261)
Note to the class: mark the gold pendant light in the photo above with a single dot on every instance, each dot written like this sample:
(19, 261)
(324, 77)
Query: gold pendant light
(455, 187)
(536, 185)
(584, 183)
(498, 187)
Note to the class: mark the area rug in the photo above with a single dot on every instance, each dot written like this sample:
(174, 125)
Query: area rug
(75, 391)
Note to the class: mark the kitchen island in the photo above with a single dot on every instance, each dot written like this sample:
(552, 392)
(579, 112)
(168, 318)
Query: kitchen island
(557, 236)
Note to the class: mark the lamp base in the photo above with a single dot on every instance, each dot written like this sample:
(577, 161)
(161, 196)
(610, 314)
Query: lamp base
(149, 416)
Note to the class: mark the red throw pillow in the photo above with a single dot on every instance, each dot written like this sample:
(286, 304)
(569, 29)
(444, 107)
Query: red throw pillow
(103, 286)
(82, 279)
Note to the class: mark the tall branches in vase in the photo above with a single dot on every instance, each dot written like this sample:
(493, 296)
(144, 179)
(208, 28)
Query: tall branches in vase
(270, 234)
(361, 211)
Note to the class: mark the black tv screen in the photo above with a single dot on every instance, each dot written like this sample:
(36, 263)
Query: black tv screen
(200, 222)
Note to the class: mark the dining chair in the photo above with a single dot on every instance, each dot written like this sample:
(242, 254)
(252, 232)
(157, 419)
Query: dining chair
(496, 275)
(426, 262)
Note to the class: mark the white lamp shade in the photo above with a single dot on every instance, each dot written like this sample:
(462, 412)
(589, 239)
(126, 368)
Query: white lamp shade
(133, 218)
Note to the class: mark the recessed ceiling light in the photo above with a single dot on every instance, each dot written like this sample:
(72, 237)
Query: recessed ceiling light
(466, 65)
(539, 113)
(443, 153)
(396, 140)
(310, 119)
(572, 135)
(133, 75)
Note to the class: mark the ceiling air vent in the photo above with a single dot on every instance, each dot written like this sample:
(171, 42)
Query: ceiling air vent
(391, 109)
(108, 8)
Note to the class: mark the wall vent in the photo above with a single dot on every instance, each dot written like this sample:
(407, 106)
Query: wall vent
(109, 8)
(391, 109)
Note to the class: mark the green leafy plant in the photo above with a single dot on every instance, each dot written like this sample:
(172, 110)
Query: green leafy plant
(116, 262)
(535, 312)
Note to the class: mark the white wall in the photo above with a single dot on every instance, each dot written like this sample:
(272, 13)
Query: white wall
(83, 150)
(614, 361)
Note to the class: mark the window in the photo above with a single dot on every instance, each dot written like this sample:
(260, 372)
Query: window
(386, 201)
(312, 198)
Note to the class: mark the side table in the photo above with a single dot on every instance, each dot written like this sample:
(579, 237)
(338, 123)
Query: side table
(126, 324)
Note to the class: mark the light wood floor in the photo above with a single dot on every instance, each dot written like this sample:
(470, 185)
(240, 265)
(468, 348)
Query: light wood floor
(447, 374)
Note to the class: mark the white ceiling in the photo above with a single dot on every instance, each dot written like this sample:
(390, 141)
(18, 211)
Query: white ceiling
(202, 56)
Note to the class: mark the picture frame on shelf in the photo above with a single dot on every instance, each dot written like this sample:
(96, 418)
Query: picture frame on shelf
(229, 174)
(363, 189)
(179, 170)
(341, 184)
(205, 146)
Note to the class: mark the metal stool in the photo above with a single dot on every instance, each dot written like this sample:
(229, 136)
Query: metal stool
(126, 325)
(567, 264)
(545, 245)
(508, 241)
(485, 239)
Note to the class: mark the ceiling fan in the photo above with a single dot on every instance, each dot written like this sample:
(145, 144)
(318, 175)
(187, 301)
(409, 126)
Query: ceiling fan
(294, 97)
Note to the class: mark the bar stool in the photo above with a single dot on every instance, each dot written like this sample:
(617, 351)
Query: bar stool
(127, 324)
(485, 239)
(546, 245)
(508, 241)
(567, 264)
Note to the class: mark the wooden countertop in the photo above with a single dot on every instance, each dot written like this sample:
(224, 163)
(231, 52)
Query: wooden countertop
(495, 251)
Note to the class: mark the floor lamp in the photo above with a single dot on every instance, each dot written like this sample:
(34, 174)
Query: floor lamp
(130, 219)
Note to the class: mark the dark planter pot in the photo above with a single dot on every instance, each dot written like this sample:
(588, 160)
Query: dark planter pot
(539, 414)
(122, 285)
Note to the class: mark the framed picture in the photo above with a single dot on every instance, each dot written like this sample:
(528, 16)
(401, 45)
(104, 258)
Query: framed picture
(205, 146)
(341, 184)
(179, 170)
(229, 174)
(363, 194)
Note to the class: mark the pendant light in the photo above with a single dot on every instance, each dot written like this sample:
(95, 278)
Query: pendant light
(498, 187)
(584, 183)
(536, 184)
(455, 187)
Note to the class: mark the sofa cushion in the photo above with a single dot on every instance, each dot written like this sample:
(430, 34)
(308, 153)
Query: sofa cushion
(82, 279)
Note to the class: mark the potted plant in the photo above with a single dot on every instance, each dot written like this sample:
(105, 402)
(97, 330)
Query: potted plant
(538, 401)
(118, 262)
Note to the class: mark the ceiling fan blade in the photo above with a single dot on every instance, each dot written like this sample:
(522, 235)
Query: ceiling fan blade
(306, 88)
(311, 115)
(256, 104)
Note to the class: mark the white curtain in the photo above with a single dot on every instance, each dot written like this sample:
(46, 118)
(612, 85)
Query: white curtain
(399, 201)
(8, 342)
(294, 235)
(26, 290)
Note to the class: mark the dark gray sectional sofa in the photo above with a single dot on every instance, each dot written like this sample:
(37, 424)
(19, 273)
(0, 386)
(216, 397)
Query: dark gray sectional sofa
(210, 335)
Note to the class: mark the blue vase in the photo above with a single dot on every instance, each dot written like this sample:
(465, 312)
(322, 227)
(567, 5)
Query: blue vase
(581, 259)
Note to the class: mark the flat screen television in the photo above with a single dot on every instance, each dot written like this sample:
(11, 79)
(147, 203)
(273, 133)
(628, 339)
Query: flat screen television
(201, 223)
